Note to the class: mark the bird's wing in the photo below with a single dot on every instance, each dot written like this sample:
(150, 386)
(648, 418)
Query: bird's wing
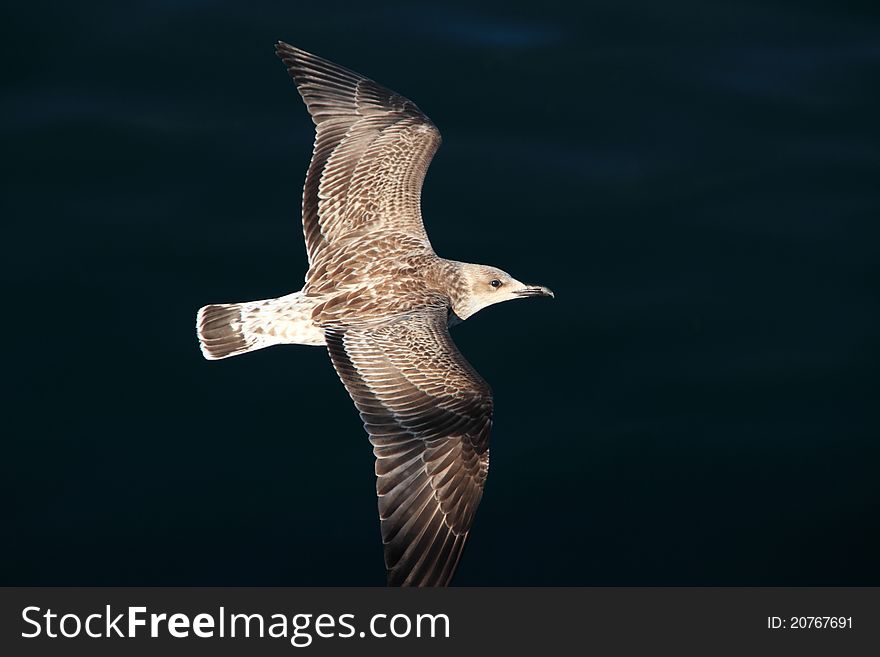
(372, 150)
(428, 414)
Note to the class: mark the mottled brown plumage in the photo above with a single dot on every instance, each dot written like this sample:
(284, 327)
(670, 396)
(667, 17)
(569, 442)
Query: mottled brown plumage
(381, 300)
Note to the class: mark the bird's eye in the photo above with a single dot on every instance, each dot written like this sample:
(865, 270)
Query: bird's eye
(495, 283)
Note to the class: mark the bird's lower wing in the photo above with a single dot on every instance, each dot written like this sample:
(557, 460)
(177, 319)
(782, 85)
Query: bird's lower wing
(429, 415)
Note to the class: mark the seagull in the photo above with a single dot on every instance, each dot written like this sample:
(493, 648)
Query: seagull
(381, 301)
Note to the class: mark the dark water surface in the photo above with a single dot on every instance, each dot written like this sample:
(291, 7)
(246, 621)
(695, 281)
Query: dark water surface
(698, 182)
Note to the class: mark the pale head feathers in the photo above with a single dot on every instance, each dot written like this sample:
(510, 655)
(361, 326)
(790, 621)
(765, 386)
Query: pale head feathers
(481, 286)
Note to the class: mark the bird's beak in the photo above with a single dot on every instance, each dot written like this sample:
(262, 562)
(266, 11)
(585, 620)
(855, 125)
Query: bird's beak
(535, 291)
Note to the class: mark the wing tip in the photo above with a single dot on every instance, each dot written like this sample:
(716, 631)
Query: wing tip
(303, 65)
(429, 571)
(283, 46)
(285, 52)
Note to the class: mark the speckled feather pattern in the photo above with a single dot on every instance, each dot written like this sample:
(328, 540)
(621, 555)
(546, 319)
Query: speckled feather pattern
(380, 299)
(383, 300)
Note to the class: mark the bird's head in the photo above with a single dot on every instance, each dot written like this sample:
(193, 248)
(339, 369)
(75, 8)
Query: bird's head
(484, 286)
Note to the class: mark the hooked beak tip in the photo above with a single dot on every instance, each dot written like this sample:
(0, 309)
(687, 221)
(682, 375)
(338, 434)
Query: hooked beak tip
(536, 291)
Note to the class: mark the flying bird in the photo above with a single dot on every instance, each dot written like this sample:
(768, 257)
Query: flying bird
(381, 301)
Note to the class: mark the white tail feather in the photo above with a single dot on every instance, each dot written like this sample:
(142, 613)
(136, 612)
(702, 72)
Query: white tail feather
(231, 329)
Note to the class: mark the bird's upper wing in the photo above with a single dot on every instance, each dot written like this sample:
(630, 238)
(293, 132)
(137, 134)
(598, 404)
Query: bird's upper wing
(372, 149)
(428, 414)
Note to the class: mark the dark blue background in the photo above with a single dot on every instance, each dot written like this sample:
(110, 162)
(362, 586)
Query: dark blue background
(698, 182)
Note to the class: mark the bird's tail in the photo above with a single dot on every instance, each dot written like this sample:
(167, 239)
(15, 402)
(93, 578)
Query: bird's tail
(230, 329)
(221, 331)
